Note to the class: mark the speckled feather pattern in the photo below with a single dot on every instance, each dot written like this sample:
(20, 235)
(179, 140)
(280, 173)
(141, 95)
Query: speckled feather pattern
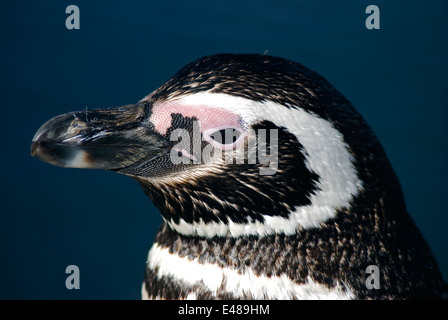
(376, 230)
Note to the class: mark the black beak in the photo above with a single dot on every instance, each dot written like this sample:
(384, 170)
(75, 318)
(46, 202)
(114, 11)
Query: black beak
(111, 139)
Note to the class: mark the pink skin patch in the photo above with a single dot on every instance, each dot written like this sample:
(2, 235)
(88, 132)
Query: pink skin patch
(209, 120)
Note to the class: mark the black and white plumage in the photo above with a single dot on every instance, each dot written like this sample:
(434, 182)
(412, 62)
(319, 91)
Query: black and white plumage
(332, 207)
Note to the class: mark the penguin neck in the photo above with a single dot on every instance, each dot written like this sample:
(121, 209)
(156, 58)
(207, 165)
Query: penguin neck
(240, 267)
(328, 262)
(296, 256)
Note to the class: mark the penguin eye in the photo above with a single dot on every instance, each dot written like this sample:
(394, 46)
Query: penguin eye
(224, 138)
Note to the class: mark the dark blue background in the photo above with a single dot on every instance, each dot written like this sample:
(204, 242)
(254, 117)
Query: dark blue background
(102, 222)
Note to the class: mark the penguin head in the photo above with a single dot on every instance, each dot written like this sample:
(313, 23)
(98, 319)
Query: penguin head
(231, 145)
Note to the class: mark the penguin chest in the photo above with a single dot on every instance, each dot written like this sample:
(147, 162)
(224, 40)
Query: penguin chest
(170, 276)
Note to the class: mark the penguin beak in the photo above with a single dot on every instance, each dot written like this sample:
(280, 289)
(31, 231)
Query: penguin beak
(110, 139)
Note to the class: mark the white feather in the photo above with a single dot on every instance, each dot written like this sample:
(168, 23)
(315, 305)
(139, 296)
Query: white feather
(214, 277)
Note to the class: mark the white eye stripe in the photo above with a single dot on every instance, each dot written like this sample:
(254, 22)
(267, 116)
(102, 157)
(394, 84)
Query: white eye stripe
(326, 154)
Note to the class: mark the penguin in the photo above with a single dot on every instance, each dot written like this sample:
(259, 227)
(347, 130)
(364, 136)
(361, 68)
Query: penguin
(270, 184)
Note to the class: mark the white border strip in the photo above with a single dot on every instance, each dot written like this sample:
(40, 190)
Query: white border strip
(214, 277)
